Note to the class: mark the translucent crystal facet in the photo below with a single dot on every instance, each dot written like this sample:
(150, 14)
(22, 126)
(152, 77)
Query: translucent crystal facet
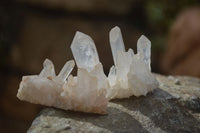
(116, 42)
(112, 76)
(144, 48)
(84, 51)
(66, 70)
(48, 70)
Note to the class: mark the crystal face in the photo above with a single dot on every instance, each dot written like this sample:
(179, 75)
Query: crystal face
(144, 48)
(84, 51)
(90, 90)
(116, 42)
(66, 70)
(48, 70)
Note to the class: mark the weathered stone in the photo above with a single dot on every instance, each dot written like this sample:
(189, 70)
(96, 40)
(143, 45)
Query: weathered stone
(173, 107)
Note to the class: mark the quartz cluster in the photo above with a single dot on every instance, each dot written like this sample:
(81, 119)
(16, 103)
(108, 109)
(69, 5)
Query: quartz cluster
(91, 89)
(131, 73)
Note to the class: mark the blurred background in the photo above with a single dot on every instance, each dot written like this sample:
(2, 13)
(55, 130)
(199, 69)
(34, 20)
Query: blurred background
(32, 30)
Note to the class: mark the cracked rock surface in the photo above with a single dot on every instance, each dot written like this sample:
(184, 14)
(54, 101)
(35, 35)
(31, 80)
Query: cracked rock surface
(173, 107)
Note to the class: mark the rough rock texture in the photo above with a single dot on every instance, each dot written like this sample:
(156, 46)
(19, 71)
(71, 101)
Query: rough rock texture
(173, 107)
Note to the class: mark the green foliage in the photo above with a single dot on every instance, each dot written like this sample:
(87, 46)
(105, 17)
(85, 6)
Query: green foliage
(161, 15)
(163, 12)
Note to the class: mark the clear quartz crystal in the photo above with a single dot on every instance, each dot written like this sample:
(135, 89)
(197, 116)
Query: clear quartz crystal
(90, 90)
(144, 48)
(84, 51)
(131, 74)
(48, 70)
(121, 58)
(116, 42)
(66, 70)
(130, 52)
(112, 76)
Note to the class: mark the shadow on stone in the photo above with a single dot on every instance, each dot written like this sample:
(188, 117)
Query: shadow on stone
(164, 110)
(169, 108)
(114, 121)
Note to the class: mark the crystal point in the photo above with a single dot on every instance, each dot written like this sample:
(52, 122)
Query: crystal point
(48, 70)
(144, 48)
(84, 51)
(116, 42)
(66, 70)
(131, 52)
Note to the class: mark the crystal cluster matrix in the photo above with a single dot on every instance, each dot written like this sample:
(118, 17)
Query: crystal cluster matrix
(91, 89)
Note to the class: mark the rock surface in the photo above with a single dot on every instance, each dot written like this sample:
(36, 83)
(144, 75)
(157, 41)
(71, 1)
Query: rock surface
(173, 107)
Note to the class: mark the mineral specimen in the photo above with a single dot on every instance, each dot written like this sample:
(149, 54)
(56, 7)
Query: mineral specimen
(131, 74)
(90, 90)
(86, 92)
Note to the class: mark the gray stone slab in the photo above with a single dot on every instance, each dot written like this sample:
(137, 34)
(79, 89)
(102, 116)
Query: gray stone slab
(173, 107)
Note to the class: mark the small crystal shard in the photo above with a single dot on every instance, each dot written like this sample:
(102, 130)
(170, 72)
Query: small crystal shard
(84, 51)
(112, 76)
(48, 70)
(66, 70)
(144, 48)
(116, 42)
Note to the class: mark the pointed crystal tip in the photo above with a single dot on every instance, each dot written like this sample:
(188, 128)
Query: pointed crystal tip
(48, 69)
(116, 42)
(66, 70)
(114, 33)
(84, 51)
(143, 44)
(144, 48)
(47, 62)
(143, 40)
